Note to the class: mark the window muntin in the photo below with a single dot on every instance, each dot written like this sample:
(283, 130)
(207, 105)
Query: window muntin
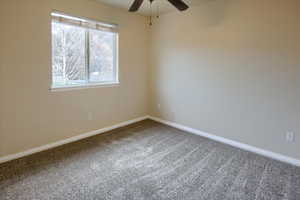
(83, 52)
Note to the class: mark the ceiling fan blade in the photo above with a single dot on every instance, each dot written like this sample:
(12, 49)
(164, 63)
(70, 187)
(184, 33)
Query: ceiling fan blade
(135, 5)
(179, 4)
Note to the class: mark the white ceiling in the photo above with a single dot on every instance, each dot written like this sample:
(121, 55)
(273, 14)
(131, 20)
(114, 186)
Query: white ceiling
(163, 5)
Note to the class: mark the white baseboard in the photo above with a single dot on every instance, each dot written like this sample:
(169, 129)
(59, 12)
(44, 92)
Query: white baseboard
(239, 145)
(69, 140)
(243, 146)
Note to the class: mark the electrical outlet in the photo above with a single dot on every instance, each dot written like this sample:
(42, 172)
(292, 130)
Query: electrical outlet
(290, 137)
(90, 116)
(158, 106)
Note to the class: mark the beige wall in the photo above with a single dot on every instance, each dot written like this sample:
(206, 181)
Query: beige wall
(231, 68)
(227, 67)
(31, 115)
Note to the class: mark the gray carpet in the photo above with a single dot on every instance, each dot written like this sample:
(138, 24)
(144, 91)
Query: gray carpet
(148, 160)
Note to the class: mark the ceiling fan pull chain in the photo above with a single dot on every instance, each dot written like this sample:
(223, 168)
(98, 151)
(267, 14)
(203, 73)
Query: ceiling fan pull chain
(150, 14)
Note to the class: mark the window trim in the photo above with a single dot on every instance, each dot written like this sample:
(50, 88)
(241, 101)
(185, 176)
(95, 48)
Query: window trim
(85, 86)
(89, 84)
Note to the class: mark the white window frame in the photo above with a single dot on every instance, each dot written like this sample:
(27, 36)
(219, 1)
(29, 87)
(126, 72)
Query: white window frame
(88, 24)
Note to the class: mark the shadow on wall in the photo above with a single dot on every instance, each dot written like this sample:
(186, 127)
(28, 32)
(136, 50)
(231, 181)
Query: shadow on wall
(205, 15)
(231, 68)
(210, 13)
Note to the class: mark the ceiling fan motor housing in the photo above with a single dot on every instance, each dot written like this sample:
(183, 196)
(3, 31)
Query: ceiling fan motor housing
(179, 4)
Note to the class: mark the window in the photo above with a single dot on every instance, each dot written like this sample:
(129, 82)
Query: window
(84, 52)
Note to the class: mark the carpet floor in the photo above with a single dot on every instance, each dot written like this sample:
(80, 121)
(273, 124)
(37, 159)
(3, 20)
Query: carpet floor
(148, 160)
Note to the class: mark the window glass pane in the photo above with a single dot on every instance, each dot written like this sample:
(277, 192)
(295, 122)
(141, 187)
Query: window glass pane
(102, 56)
(68, 55)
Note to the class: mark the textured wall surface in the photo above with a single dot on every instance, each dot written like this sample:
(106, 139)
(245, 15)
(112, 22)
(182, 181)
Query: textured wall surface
(34, 116)
(227, 67)
(231, 68)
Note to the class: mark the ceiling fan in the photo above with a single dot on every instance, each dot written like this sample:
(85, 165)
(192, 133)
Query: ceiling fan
(179, 4)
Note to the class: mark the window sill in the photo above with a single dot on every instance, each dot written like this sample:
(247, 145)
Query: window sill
(86, 86)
